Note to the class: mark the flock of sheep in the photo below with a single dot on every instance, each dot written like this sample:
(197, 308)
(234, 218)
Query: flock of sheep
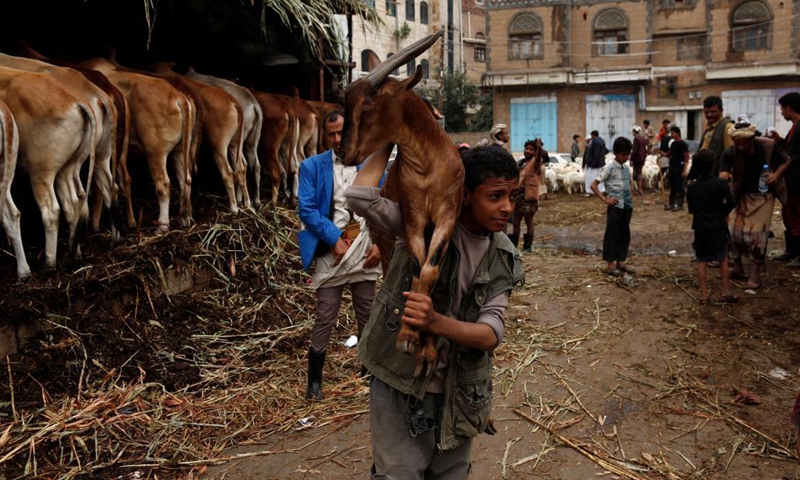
(570, 178)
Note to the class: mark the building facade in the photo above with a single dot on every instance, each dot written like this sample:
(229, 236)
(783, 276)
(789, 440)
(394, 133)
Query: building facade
(473, 45)
(565, 67)
(405, 22)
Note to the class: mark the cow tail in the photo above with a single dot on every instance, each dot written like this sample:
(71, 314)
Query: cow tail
(91, 137)
(238, 142)
(186, 140)
(10, 151)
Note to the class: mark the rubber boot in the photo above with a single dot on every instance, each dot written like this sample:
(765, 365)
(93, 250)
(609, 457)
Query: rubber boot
(790, 252)
(315, 363)
(795, 263)
(514, 239)
(527, 242)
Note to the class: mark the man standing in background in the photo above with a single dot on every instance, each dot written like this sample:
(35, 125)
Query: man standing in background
(638, 156)
(594, 158)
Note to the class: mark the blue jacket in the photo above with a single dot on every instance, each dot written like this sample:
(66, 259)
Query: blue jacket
(315, 191)
(314, 194)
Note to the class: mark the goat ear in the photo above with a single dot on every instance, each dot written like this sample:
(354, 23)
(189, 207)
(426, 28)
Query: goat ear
(407, 84)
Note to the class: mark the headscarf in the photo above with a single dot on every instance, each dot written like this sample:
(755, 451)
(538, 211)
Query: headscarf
(498, 127)
(637, 129)
(742, 131)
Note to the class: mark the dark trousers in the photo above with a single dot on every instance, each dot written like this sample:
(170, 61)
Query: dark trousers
(328, 301)
(618, 234)
(676, 188)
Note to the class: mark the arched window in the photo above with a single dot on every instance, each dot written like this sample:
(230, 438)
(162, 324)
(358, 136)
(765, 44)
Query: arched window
(751, 27)
(365, 60)
(423, 13)
(525, 37)
(410, 10)
(610, 32)
(480, 36)
(410, 66)
(425, 71)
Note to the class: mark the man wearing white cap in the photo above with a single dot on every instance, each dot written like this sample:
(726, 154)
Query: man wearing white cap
(743, 164)
(499, 135)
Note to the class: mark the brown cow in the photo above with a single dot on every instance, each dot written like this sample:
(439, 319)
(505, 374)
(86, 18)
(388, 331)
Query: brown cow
(105, 114)
(253, 118)
(9, 148)
(426, 180)
(57, 132)
(162, 121)
(276, 145)
(222, 126)
(123, 118)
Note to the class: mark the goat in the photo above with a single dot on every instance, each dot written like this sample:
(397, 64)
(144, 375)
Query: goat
(426, 180)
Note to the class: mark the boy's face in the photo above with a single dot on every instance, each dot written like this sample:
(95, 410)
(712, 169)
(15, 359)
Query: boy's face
(622, 157)
(489, 207)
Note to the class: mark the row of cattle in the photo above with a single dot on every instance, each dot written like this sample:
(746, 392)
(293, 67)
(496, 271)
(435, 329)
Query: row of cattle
(57, 119)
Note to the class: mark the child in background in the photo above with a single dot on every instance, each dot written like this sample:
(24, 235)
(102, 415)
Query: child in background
(617, 179)
(710, 201)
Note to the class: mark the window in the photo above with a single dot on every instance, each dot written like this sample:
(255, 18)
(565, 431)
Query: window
(751, 27)
(391, 8)
(410, 66)
(524, 37)
(425, 69)
(692, 48)
(410, 10)
(668, 87)
(365, 60)
(423, 13)
(610, 32)
(369, 3)
(480, 53)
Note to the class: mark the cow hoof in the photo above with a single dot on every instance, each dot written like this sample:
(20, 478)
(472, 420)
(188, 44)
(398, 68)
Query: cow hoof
(163, 228)
(234, 209)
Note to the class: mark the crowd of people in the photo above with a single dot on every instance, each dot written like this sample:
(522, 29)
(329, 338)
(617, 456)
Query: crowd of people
(733, 182)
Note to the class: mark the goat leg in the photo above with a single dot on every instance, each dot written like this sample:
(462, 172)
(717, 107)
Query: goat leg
(426, 356)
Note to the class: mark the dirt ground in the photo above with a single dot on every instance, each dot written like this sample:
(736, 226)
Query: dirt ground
(634, 373)
(128, 383)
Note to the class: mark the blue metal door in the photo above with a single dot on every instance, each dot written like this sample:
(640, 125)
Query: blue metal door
(533, 118)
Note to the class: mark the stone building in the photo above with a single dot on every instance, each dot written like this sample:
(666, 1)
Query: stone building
(406, 21)
(564, 67)
(473, 28)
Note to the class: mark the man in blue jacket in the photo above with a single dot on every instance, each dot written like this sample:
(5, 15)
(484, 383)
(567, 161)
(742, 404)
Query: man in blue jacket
(337, 242)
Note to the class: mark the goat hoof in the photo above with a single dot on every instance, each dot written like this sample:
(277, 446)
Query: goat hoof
(406, 345)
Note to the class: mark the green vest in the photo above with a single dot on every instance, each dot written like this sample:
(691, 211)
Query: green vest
(468, 382)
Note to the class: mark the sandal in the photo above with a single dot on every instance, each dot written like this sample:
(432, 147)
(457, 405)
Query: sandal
(751, 285)
(730, 298)
(615, 272)
(626, 269)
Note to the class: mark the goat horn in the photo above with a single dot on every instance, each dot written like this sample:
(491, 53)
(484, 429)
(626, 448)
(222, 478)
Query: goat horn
(377, 76)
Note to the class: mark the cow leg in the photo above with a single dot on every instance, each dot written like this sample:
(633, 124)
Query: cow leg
(11, 225)
(184, 187)
(103, 183)
(158, 171)
(221, 155)
(68, 198)
(45, 197)
(125, 185)
(253, 162)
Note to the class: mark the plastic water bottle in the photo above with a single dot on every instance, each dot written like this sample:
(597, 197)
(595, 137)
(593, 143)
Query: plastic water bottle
(762, 180)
